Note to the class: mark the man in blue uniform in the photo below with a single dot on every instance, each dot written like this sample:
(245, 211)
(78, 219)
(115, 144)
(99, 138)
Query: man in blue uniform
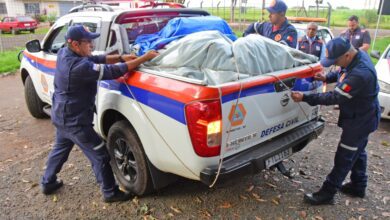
(356, 93)
(75, 87)
(278, 29)
(310, 43)
(359, 38)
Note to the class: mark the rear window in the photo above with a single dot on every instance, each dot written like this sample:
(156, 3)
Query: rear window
(25, 18)
(146, 25)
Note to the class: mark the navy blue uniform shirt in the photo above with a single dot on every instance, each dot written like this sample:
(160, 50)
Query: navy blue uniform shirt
(312, 46)
(357, 37)
(356, 93)
(286, 33)
(75, 86)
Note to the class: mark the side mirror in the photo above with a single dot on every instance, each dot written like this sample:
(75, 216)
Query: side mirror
(375, 54)
(33, 46)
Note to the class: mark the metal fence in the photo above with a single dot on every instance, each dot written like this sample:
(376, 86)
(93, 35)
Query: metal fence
(239, 16)
(245, 12)
(15, 42)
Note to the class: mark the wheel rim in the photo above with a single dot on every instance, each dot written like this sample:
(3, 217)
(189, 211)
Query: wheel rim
(125, 160)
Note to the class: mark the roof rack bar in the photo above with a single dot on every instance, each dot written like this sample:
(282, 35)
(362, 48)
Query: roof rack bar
(93, 6)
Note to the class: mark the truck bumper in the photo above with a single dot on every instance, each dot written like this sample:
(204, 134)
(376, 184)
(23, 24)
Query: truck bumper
(253, 160)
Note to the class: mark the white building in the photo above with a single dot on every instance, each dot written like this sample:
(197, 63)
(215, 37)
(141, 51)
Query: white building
(33, 7)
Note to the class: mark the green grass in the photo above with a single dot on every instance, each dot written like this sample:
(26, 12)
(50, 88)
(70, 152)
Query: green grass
(9, 61)
(368, 18)
(380, 45)
(42, 30)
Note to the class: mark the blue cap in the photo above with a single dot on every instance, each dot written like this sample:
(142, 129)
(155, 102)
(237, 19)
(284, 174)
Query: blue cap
(277, 6)
(334, 49)
(79, 32)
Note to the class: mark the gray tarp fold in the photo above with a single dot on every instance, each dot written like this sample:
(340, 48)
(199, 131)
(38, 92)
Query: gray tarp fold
(214, 58)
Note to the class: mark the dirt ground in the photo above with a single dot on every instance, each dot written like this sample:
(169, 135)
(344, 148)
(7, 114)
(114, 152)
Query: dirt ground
(25, 143)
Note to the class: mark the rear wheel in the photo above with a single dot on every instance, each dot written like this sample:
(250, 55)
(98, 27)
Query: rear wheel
(32, 31)
(128, 159)
(34, 103)
(14, 32)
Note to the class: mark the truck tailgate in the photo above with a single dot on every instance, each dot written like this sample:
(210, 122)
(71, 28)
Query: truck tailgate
(265, 108)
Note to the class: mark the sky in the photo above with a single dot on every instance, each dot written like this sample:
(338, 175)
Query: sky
(353, 4)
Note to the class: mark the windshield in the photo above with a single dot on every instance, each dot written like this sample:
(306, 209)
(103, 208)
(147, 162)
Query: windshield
(25, 18)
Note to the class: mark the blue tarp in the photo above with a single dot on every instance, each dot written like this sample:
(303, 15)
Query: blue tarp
(179, 27)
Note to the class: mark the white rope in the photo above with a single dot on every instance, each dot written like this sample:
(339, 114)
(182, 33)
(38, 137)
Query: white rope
(222, 154)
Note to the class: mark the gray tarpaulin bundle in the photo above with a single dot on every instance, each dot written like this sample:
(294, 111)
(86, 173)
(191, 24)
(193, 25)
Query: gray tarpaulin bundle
(211, 57)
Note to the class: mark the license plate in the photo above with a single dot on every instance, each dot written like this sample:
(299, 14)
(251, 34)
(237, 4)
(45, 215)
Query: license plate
(277, 158)
(26, 25)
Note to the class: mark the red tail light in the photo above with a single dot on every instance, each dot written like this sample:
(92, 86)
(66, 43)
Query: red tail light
(204, 121)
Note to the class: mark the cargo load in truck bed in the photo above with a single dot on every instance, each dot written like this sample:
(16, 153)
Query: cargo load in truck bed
(215, 59)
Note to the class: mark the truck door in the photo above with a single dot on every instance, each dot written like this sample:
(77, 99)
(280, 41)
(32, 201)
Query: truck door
(54, 41)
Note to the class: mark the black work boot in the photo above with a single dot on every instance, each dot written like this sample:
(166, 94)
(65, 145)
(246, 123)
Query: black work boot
(119, 196)
(50, 188)
(322, 197)
(350, 190)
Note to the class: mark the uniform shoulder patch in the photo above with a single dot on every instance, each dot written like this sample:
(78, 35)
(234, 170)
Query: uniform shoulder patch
(278, 37)
(346, 88)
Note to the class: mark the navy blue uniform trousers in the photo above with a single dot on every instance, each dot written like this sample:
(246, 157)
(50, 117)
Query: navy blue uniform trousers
(350, 156)
(91, 145)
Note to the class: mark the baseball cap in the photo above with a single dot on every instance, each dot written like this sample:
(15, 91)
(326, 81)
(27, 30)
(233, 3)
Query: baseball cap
(79, 32)
(335, 48)
(277, 6)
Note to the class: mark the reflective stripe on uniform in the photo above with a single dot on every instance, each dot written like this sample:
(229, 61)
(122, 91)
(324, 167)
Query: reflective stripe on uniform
(101, 71)
(99, 146)
(341, 92)
(255, 27)
(348, 147)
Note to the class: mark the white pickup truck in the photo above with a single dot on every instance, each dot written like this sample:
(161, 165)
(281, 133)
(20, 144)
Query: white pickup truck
(159, 126)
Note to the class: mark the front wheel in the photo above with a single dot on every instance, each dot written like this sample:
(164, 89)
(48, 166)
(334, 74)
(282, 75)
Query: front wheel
(128, 159)
(34, 103)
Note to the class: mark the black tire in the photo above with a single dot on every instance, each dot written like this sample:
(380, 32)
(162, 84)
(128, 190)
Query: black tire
(14, 32)
(34, 103)
(128, 159)
(32, 31)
